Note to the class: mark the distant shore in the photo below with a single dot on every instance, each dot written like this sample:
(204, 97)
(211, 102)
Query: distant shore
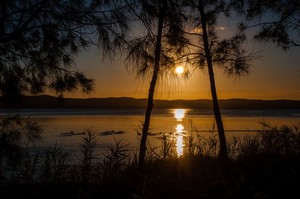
(46, 101)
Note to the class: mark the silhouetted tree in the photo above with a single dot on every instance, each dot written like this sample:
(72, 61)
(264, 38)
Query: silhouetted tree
(277, 21)
(207, 49)
(152, 53)
(16, 133)
(39, 39)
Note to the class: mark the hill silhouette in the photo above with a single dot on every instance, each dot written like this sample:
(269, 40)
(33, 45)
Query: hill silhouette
(46, 101)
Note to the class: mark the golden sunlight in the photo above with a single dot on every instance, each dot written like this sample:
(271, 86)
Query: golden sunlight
(179, 114)
(179, 140)
(179, 69)
(179, 128)
(179, 145)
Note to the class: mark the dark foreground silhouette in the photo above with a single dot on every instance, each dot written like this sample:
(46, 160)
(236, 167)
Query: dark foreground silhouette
(263, 166)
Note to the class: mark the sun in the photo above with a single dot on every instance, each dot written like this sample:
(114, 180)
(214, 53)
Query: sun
(179, 69)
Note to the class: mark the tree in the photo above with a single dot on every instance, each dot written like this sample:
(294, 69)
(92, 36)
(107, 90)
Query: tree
(277, 21)
(153, 53)
(16, 133)
(39, 39)
(206, 49)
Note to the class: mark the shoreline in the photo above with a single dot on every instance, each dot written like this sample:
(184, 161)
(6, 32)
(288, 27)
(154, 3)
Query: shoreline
(45, 101)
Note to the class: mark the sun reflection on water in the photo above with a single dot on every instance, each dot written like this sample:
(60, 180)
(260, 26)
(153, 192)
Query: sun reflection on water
(179, 128)
(179, 139)
(179, 115)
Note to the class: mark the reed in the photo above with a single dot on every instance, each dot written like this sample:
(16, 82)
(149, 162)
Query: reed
(265, 165)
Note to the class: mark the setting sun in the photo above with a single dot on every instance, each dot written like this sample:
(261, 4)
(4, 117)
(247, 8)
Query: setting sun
(179, 69)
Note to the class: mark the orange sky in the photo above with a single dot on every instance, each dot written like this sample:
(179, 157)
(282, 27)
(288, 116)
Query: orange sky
(275, 76)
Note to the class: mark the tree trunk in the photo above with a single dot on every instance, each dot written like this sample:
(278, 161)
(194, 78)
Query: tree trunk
(216, 109)
(143, 148)
(150, 104)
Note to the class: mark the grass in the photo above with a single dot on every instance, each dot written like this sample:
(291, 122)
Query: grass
(266, 165)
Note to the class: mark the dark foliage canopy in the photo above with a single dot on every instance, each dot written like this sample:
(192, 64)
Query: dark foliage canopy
(140, 49)
(276, 21)
(39, 39)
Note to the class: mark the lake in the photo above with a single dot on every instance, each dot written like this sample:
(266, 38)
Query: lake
(66, 127)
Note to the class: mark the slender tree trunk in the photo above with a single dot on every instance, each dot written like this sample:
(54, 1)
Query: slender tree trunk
(216, 109)
(143, 148)
(150, 104)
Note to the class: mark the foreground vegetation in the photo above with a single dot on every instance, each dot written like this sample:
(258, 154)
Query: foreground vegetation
(266, 165)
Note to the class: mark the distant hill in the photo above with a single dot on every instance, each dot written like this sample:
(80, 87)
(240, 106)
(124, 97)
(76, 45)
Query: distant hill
(45, 101)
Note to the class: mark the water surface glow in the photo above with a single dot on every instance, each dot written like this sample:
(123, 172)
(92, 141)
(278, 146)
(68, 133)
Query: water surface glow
(179, 128)
(179, 145)
(179, 115)
(180, 122)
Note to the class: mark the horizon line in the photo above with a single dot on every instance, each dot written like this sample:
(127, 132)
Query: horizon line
(279, 99)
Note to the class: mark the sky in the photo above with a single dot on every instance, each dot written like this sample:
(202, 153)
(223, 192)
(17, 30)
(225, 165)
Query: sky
(275, 75)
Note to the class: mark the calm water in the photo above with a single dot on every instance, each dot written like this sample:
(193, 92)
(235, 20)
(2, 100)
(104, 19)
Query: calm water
(58, 123)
